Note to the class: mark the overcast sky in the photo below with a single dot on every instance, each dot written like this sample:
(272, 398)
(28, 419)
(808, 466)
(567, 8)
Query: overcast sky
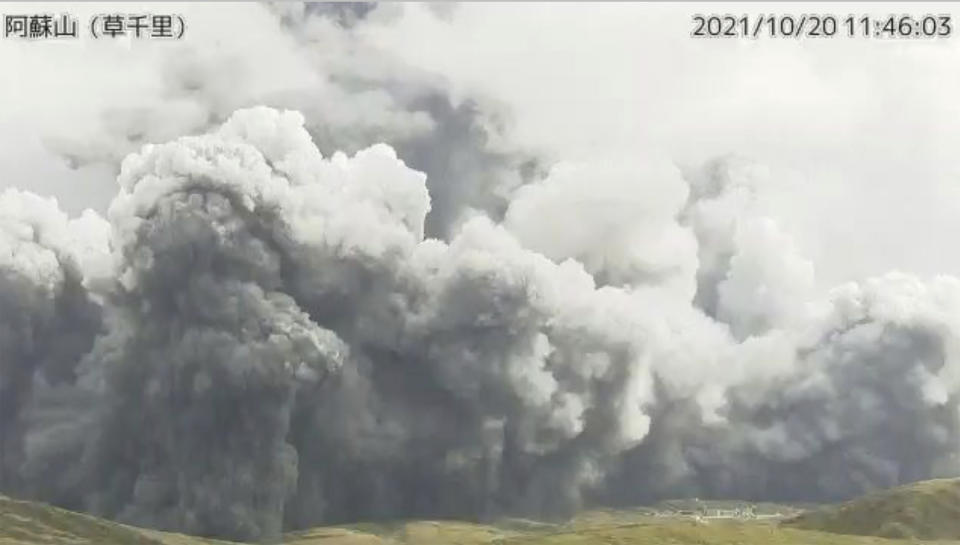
(859, 136)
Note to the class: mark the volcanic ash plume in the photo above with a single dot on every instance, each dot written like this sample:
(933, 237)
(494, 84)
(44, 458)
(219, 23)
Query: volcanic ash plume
(275, 343)
(47, 319)
(282, 332)
(821, 398)
(209, 349)
(315, 58)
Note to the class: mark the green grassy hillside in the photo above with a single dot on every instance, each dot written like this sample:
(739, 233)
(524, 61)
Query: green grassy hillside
(28, 523)
(924, 510)
(594, 530)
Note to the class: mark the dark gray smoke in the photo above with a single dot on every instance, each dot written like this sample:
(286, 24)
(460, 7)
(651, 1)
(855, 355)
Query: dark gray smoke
(248, 264)
(283, 347)
(267, 333)
(47, 322)
(866, 400)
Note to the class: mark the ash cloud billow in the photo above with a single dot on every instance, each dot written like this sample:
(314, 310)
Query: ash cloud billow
(374, 307)
(49, 319)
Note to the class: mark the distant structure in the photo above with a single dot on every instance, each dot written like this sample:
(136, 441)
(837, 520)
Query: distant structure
(706, 510)
(739, 513)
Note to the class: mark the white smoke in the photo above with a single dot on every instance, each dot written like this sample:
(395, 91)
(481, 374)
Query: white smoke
(285, 321)
(619, 220)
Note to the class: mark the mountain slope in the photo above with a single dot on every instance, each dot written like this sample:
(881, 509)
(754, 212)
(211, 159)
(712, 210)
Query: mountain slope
(923, 510)
(29, 523)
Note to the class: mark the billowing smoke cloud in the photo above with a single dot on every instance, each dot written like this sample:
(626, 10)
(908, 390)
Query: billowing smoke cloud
(750, 274)
(617, 218)
(353, 96)
(284, 321)
(48, 321)
(864, 396)
(284, 347)
(250, 269)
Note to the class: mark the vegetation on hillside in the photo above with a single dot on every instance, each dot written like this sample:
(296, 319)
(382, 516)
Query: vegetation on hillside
(29, 523)
(923, 510)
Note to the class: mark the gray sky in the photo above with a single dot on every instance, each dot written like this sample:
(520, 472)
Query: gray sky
(858, 135)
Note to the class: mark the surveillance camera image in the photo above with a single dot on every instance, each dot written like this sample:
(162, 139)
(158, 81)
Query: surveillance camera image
(479, 273)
